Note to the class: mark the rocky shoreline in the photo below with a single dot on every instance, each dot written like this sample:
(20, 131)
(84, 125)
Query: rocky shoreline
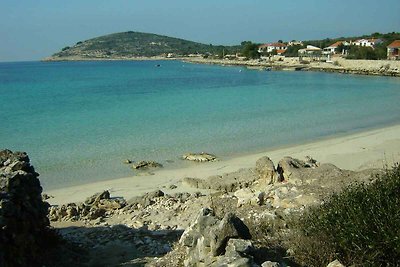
(241, 222)
(227, 227)
(340, 65)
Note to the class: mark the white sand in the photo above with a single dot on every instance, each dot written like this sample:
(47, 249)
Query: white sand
(370, 149)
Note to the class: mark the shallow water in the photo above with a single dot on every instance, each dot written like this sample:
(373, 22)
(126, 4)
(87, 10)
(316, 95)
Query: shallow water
(79, 120)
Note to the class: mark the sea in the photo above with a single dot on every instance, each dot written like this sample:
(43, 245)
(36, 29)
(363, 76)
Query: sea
(79, 121)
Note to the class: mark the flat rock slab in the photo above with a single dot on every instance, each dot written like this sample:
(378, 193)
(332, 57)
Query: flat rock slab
(199, 157)
(144, 164)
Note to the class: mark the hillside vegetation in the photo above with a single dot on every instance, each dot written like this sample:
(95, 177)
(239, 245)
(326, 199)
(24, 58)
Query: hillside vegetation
(137, 44)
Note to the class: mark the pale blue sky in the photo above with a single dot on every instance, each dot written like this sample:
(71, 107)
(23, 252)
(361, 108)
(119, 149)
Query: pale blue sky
(33, 29)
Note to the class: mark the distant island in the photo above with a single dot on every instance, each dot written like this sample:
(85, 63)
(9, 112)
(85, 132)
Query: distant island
(130, 45)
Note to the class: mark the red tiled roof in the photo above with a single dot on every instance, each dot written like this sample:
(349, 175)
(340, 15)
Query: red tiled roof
(336, 44)
(277, 44)
(280, 51)
(395, 44)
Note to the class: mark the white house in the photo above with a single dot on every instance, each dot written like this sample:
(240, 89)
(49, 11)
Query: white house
(279, 47)
(368, 42)
(312, 52)
(333, 48)
(310, 49)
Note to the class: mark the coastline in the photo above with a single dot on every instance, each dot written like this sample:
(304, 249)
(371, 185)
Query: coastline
(358, 151)
(338, 64)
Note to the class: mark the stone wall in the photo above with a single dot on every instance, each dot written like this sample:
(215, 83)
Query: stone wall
(23, 214)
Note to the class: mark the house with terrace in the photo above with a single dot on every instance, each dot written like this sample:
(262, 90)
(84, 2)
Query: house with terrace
(334, 48)
(280, 48)
(368, 42)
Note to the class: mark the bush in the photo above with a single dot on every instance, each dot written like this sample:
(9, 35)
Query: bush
(360, 226)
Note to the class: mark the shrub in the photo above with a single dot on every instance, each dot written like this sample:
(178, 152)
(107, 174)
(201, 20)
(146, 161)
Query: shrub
(360, 226)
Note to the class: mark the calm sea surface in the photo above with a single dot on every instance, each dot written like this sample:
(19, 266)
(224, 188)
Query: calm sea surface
(79, 120)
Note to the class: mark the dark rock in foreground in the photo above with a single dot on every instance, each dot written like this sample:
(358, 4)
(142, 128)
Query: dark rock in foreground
(23, 214)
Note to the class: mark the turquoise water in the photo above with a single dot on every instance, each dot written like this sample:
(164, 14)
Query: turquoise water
(79, 120)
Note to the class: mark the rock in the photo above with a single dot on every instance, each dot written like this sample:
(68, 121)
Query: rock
(147, 199)
(335, 263)
(270, 264)
(239, 246)
(146, 165)
(199, 157)
(230, 227)
(93, 200)
(228, 182)
(127, 161)
(287, 166)
(266, 170)
(233, 261)
(247, 196)
(208, 237)
(311, 163)
(24, 226)
(94, 207)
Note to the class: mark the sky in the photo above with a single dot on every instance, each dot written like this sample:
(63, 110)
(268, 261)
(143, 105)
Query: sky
(34, 29)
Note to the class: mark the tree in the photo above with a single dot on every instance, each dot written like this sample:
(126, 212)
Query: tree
(250, 50)
(292, 51)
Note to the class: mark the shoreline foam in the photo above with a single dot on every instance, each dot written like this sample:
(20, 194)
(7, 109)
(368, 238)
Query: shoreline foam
(368, 149)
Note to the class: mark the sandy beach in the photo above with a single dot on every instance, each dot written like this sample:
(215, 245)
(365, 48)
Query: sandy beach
(369, 149)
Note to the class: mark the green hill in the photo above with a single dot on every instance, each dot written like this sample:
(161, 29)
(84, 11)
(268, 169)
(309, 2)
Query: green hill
(134, 44)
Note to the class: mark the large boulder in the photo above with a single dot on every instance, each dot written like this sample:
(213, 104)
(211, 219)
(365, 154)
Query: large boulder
(266, 171)
(289, 167)
(206, 239)
(23, 214)
(238, 254)
(227, 182)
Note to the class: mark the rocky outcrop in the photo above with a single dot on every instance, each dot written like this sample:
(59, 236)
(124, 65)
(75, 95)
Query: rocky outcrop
(97, 206)
(288, 166)
(228, 182)
(266, 171)
(208, 241)
(199, 157)
(23, 214)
